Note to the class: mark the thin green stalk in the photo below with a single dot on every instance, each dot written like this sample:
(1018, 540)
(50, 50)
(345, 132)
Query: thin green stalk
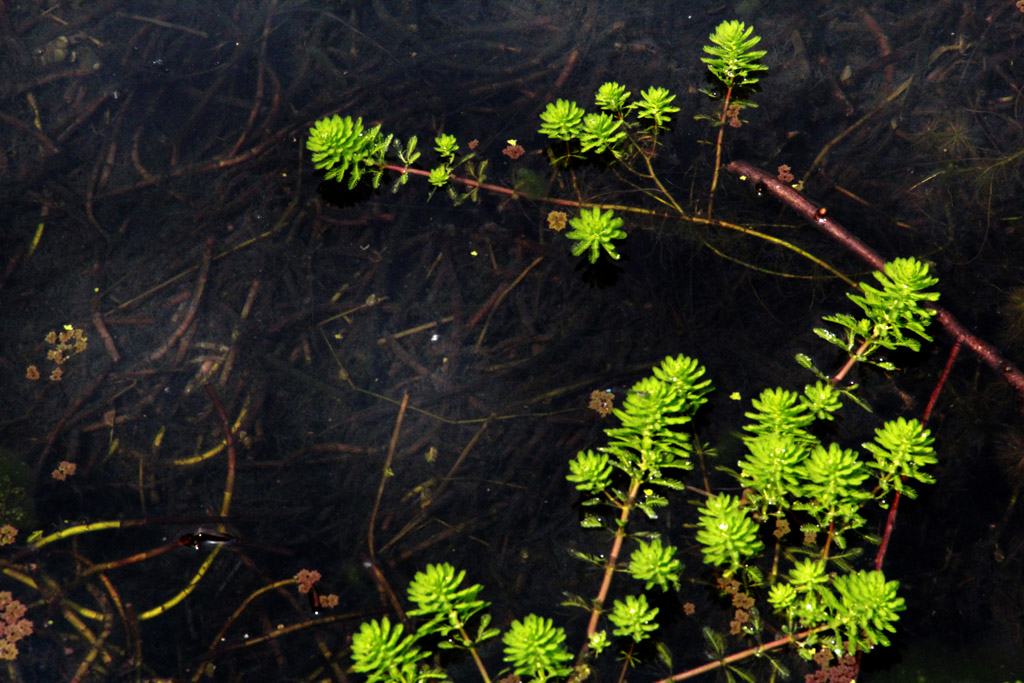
(469, 182)
(476, 657)
(750, 652)
(718, 149)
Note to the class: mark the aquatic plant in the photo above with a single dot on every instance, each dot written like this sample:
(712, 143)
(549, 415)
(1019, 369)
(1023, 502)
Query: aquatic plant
(806, 590)
(343, 145)
(594, 231)
(561, 120)
(733, 60)
(734, 63)
(624, 129)
(790, 476)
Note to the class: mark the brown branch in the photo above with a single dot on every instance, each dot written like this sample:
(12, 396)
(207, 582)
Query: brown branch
(39, 135)
(813, 214)
(884, 49)
(83, 116)
(97, 318)
(385, 475)
(204, 270)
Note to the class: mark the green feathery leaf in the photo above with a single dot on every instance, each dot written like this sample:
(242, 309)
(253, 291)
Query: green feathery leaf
(732, 60)
(536, 648)
(655, 564)
(595, 230)
(633, 618)
(902, 448)
(656, 104)
(727, 533)
(561, 120)
(612, 97)
(600, 132)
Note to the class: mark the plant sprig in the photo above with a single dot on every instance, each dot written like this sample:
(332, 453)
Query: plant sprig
(595, 231)
(733, 60)
(734, 63)
(343, 145)
(890, 314)
(789, 474)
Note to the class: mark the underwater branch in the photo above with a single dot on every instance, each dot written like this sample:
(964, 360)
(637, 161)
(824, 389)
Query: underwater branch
(814, 215)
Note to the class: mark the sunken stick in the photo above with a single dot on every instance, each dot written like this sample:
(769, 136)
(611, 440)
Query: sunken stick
(819, 217)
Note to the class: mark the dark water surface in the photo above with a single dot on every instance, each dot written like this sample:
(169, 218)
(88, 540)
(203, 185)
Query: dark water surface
(158, 197)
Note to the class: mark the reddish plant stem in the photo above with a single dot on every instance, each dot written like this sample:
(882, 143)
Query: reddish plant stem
(566, 70)
(133, 559)
(83, 117)
(260, 84)
(850, 362)
(807, 210)
(884, 49)
(469, 182)
(39, 135)
(933, 399)
(613, 558)
(989, 354)
(750, 652)
(378, 575)
(890, 521)
(71, 416)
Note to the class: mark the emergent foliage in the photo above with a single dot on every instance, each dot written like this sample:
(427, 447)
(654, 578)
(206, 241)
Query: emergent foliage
(536, 648)
(381, 651)
(613, 129)
(655, 565)
(342, 145)
(595, 230)
(866, 608)
(902, 448)
(727, 534)
(787, 471)
(440, 596)
(898, 308)
(633, 618)
(733, 59)
(561, 120)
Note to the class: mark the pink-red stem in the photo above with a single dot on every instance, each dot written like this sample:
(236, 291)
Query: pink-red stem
(809, 211)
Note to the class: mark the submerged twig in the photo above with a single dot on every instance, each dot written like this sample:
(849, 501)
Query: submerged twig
(819, 218)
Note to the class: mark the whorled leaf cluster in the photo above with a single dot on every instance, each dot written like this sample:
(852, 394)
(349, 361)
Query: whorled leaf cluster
(535, 647)
(633, 618)
(727, 534)
(860, 607)
(381, 651)
(733, 59)
(655, 564)
(593, 231)
(788, 470)
(343, 146)
(614, 127)
(889, 314)
(651, 441)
